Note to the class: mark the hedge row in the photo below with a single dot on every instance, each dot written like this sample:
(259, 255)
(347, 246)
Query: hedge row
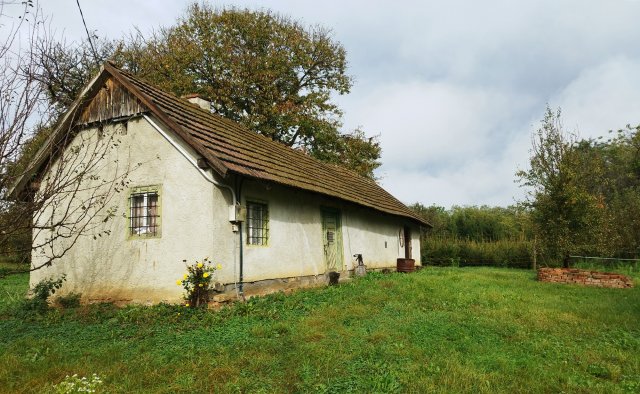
(460, 252)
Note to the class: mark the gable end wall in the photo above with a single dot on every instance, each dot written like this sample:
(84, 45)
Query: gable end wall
(117, 267)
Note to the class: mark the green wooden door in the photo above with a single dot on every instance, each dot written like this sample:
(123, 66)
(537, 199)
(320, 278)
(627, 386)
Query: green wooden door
(332, 240)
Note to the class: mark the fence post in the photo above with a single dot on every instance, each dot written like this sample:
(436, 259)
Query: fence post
(535, 261)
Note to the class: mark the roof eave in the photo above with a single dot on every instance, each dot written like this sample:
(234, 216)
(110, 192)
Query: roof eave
(420, 221)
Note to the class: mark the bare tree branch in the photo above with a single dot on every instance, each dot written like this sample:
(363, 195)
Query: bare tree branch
(71, 194)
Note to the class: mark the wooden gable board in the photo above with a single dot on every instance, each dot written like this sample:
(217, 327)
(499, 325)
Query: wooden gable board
(112, 101)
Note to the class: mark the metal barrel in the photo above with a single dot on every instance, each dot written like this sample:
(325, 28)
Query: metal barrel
(406, 265)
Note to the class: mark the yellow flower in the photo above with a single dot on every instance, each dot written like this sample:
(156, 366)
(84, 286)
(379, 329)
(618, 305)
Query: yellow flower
(200, 285)
(186, 305)
(218, 267)
(185, 276)
(205, 275)
(200, 265)
(178, 282)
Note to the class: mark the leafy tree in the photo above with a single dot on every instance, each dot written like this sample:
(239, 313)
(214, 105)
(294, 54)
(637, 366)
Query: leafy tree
(64, 69)
(259, 68)
(435, 215)
(619, 192)
(566, 213)
(352, 150)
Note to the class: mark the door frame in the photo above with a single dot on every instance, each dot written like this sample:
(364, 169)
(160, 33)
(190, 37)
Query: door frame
(326, 211)
(408, 247)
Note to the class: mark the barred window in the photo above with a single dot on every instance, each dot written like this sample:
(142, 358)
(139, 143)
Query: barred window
(257, 223)
(144, 213)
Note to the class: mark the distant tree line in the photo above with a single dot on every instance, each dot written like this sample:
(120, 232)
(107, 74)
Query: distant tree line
(476, 223)
(476, 235)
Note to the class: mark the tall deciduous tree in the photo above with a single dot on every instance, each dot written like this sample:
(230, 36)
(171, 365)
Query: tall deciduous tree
(618, 160)
(259, 68)
(567, 215)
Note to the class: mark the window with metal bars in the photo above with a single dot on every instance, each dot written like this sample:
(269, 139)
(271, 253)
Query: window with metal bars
(144, 213)
(257, 223)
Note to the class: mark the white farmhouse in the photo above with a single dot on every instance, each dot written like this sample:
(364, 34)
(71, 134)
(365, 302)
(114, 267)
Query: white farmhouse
(198, 185)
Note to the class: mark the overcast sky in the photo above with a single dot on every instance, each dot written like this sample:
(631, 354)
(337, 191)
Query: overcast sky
(453, 88)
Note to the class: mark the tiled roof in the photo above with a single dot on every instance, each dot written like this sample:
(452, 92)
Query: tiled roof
(230, 147)
(242, 151)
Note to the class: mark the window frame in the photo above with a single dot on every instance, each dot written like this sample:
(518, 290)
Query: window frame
(263, 239)
(144, 190)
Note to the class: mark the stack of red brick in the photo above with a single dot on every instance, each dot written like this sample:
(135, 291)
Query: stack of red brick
(584, 277)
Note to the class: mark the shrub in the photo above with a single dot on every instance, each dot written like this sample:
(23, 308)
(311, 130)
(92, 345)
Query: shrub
(196, 283)
(447, 251)
(71, 300)
(41, 293)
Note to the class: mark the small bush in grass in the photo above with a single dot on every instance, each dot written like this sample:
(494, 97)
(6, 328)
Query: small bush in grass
(69, 301)
(455, 262)
(41, 293)
(197, 282)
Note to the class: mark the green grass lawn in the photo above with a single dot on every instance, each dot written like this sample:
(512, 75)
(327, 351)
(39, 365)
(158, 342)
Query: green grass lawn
(440, 329)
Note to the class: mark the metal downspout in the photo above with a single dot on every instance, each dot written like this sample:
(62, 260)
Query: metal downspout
(206, 174)
(241, 262)
(210, 178)
(239, 194)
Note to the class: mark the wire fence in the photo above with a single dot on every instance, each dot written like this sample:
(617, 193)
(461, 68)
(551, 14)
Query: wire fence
(514, 253)
(478, 262)
(613, 263)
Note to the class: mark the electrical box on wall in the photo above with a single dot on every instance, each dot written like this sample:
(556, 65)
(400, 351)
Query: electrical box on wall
(237, 213)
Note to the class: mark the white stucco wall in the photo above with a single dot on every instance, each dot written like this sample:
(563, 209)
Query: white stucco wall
(120, 267)
(194, 224)
(295, 246)
(377, 237)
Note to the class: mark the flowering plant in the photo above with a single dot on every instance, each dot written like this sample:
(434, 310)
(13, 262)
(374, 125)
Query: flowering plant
(196, 282)
(75, 384)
